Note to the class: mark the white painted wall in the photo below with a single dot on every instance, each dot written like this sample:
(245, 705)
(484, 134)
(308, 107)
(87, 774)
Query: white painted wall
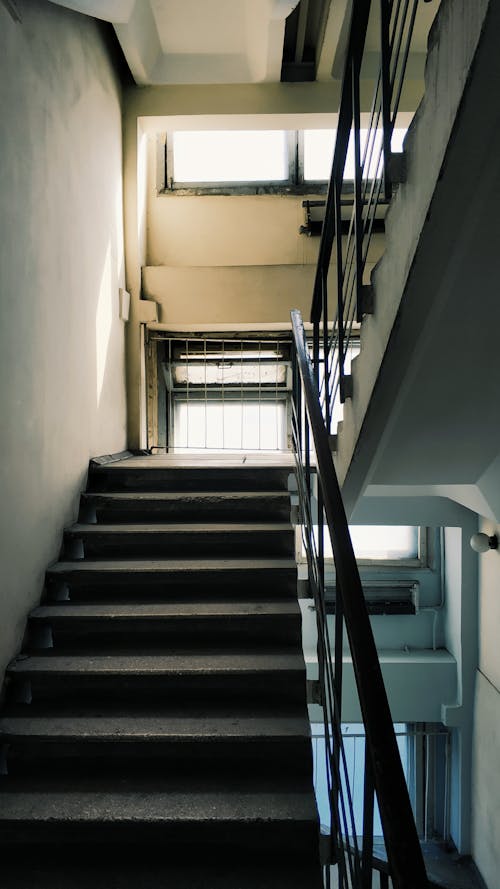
(229, 258)
(486, 731)
(429, 241)
(61, 264)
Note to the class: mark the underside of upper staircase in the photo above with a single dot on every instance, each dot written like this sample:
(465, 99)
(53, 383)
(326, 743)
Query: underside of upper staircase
(422, 383)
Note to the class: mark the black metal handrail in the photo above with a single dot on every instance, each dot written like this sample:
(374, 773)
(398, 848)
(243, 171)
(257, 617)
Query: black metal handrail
(317, 483)
(374, 176)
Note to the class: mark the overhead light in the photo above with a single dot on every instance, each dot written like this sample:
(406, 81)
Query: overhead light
(481, 543)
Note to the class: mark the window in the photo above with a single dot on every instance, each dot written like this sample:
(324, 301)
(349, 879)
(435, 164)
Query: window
(218, 160)
(424, 753)
(318, 148)
(230, 156)
(387, 544)
(241, 161)
(227, 394)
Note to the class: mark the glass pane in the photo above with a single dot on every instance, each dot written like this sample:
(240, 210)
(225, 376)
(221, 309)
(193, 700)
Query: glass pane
(384, 541)
(377, 542)
(318, 154)
(230, 156)
(229, 373)
(371, 153)
(354, 748)
(236, 425)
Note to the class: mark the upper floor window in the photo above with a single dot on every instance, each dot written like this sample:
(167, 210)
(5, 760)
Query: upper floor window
(230, 156)
(241, 161)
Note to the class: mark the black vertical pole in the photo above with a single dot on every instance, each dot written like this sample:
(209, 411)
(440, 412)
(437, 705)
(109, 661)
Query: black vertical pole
(326, 363)
(385, 59)
(358, 174)
(340, 282)
(368, 806)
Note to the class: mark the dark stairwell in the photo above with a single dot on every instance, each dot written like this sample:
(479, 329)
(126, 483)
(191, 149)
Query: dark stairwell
(155, 730)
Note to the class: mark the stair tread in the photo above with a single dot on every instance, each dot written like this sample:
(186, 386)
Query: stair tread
(157, 664)
(227, 461)
(143, 710)
(151, 728)
(146, 803)
(180, 528)
(165, 610)
(188, 495)
(164, 565)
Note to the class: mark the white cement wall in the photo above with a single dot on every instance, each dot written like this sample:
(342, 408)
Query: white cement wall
(61, 263)
(486, 727)
(228, 294)
(452, 45)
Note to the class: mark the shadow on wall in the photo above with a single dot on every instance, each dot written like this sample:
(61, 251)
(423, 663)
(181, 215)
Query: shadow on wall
(62, 367)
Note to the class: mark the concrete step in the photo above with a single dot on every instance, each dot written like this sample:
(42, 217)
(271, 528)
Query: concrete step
(120, 477)
(209, 675)
(190, 744)
(167, 540)
(199, 749)
(131, 625)
(169, 579)
(37, 868)
(237, 815)
(243, 506)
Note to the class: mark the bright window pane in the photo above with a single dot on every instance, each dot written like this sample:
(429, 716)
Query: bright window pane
(237, 425)
(318, 154)
(384, 541)
(371, 152)
(230, 156)
(354, 753)
(319, 146)
(378, 542)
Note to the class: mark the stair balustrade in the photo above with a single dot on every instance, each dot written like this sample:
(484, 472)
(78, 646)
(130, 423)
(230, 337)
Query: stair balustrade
(345, 243)
(322, 510)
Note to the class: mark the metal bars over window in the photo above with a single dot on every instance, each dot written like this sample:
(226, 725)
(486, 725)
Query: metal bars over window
(227, 394)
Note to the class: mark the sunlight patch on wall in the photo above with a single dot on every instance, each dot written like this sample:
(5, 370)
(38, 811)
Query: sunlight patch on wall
(103, 321)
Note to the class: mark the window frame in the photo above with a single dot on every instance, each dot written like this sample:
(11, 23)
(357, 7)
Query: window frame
(421, 561)
(293, 185)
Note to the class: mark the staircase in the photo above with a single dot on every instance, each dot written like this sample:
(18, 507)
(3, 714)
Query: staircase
(155, 731)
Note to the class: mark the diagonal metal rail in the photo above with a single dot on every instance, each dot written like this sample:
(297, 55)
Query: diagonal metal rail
(384, 774)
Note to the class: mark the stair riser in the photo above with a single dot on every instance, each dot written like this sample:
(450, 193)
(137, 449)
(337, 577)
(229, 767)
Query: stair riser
(170, 585)
(190, 757)
(112, 688)
(273, 509)
(156, 545)
(96, 634)
(145, 869)
(291, 839)
(184, 480)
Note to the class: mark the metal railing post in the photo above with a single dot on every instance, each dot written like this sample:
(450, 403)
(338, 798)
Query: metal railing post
(358, 175)
(385, 62)
(403, 848)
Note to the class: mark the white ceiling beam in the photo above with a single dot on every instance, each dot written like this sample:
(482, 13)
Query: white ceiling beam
(335, 39)
(140, 42)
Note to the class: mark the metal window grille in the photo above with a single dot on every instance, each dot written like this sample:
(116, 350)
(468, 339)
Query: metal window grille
(227, 394)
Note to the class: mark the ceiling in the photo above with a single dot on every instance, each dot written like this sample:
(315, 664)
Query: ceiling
(234, 41)
(193, 42)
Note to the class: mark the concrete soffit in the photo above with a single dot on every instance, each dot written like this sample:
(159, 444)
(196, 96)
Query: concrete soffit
(185, 42)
